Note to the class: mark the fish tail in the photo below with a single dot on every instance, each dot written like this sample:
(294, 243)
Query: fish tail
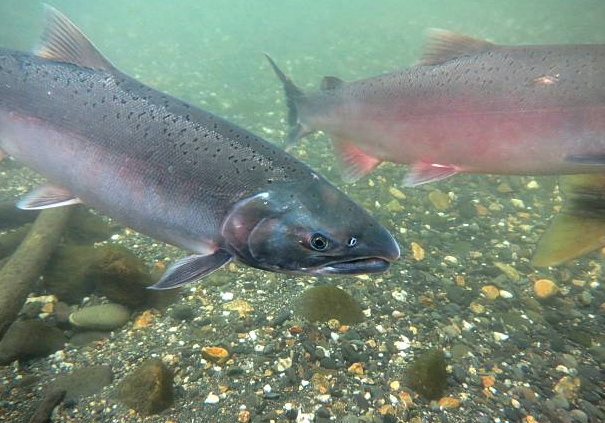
(579, 228)
(293, 97)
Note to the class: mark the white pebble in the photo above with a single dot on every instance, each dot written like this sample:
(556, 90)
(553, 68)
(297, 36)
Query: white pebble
(212, 398)
(518, 204)
(399, 295)
(532, 185)
(505, 294)
(59, 356)
(451, 260)
(267, 389)
(499, 336)
(402, 345)
(227, 296)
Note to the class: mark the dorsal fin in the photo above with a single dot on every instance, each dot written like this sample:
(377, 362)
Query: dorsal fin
(331, 82)
(62, 41)
(442, 45)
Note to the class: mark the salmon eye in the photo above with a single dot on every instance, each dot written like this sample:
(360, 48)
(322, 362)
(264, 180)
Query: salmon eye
(352, 242)
(319, 242)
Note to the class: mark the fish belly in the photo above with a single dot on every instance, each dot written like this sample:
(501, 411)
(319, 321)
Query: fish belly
(507, 142)
(147, 200)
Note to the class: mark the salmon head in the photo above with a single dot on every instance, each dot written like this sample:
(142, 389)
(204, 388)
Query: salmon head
(314, 229)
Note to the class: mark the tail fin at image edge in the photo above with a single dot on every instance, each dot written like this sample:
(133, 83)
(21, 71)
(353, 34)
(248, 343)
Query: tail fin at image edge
(579, 228)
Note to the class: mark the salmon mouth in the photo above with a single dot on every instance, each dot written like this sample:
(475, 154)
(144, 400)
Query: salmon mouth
(356, 266)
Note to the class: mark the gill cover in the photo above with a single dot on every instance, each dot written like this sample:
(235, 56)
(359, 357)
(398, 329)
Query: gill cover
(244, 221)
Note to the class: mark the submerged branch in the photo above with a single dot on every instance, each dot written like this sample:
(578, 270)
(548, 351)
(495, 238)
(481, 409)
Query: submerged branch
(24, 267)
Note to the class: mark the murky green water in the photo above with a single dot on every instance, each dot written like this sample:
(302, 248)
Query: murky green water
(211, 54)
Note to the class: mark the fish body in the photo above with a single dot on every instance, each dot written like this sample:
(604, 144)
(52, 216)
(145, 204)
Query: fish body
(470, 106)
(171, 170)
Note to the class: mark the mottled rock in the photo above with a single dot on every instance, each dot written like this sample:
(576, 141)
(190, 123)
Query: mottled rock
(149, 389)
(27, 339)
(427, 374)
(326, 302)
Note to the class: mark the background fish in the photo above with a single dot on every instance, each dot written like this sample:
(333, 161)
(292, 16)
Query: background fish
(473, 106)
(171, 170)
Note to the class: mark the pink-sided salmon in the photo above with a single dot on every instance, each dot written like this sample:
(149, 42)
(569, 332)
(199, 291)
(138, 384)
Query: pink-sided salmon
(471, 106)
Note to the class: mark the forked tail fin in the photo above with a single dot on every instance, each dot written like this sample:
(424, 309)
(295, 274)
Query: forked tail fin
(293, 97)
(579, 228)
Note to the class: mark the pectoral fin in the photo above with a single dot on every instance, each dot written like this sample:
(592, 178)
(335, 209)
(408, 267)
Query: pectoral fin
(423, 173)
(579, 228)
(46, 197)
(354, 163)
(192, 268)
(2, 155)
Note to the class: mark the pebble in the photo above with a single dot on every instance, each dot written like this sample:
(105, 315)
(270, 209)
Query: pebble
(440, 200)
(499, 336)
(398, 194)
(227, 296)
(215, 354)
(449, 402)
(545, 288)
(417, 251)
(490, 292)
(579, 416)
(101, 317)
(212, 398)
(518, 204)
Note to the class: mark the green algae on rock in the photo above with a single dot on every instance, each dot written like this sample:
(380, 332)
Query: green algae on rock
(28, 339)
(325, 302)
(149, 389)
(427, 374)
(75, 271)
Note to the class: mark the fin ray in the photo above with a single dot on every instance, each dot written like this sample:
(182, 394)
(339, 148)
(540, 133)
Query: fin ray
(354, 162)
(46, 197)
(579, 228)
(424, 173)
(63, 41)
(192, 268)
(443, 45)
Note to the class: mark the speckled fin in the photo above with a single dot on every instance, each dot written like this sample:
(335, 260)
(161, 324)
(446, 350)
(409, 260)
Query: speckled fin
(192, 268)
(354, 163)
(62, 41)
(46, 197)
(331, 82)
(442, 45)
(579, 228)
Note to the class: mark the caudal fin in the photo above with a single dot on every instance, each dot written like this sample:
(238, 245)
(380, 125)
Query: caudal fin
(579, 228)
(293, 97)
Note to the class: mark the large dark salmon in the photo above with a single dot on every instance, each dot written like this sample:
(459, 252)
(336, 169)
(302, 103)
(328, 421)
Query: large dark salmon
(173, 171)
(474, 106)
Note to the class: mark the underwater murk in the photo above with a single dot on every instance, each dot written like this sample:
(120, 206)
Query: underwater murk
(309, 316)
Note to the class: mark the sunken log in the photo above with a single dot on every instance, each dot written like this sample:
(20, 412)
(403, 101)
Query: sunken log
(26, 264)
